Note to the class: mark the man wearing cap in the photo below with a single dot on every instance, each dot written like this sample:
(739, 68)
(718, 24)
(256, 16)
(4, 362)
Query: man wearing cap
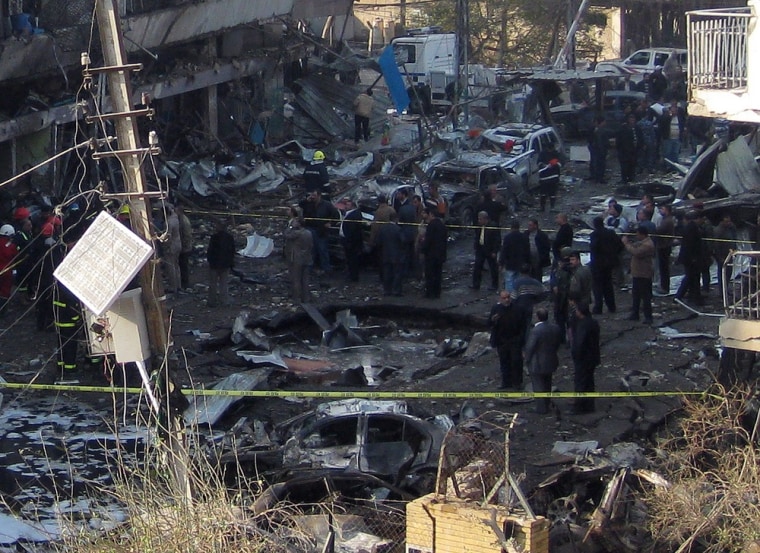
(642, 252)
(315, 176)
(382, 217)
(581, 280)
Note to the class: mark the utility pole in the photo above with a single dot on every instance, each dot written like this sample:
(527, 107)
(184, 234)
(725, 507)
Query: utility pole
(130, 154)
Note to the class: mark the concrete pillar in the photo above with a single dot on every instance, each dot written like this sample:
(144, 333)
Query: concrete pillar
(212, 97)
(753, 56)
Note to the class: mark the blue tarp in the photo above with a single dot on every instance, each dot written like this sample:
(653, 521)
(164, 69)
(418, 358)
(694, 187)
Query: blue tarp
(393, 79)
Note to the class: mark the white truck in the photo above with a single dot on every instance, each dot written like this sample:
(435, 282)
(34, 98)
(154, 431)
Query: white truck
(427, 60)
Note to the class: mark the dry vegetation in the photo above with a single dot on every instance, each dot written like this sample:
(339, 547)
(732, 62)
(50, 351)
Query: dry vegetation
(713, 504)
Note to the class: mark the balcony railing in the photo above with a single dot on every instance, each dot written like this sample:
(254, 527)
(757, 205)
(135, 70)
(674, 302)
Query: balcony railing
(741, 285)
(717, 43)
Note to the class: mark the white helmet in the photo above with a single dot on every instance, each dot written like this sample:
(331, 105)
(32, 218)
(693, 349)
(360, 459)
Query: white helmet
(7, 230)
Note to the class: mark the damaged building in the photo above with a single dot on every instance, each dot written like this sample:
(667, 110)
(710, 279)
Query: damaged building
(212, 81)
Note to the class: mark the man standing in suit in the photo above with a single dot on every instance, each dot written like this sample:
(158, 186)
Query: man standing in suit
(351, 235)
(433, 247)
(487, 243)
(540, 355)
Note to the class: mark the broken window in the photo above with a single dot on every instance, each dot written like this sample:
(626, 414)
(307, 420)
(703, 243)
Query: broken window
(333, 433)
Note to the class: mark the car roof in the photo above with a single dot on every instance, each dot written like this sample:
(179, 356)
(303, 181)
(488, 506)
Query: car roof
(472, 162)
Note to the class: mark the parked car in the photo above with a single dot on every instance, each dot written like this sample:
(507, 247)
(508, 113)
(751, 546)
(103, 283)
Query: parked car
(380, 438)
(644, 61)
(463, 180)
(522, 144)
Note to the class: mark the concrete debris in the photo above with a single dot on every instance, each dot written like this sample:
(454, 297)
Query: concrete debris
(272, 358)
(257, 246)
(450, 347)
(242, 334)
(574, 448)
(673, 334)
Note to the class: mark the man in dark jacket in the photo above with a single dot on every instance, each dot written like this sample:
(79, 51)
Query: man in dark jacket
(540, 247)
(318, 216)
(315, 176)
(391, 250)
(408, 222)
(586, 356)
(507, 335)
(597, 146)
(605, 247)
(515, 251)
(691, 257)
(628, 145)
(221, 258)
(433, 247)
(487, 243)
(541, 357)
(353, 242)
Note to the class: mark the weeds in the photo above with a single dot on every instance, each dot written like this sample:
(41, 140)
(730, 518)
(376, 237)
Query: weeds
(712, 464)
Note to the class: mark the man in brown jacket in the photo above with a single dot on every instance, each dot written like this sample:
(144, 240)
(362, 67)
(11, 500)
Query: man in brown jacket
(642, 252)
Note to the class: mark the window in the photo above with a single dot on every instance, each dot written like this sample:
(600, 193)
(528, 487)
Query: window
(405, 53)
(639, 58)
(337, 432)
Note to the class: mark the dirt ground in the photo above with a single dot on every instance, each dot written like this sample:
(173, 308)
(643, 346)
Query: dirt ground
(405, 332)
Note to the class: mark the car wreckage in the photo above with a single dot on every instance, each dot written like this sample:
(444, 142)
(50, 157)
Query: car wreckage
(380, 438)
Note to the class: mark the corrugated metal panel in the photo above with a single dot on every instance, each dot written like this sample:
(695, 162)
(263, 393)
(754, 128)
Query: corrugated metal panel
(330, 104)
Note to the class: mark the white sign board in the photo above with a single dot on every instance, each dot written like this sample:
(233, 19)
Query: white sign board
(102, 263)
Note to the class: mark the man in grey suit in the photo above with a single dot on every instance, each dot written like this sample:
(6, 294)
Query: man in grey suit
(541, 357)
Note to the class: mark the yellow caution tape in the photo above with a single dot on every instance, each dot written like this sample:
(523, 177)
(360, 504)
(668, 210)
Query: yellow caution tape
(363, 394)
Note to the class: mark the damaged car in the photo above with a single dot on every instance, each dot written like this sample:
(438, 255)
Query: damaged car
(381, 438)
(463, 180)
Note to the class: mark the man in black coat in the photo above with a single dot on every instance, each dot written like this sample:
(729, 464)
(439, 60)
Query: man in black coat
(407, 220)
(318, 216)
(391, 247)
(586, 356)
(628, 144)
(539, 247)
(221, 258)
(487, 243)
(515, 252)
(433, 247)
(605, 247)
(507, 334)
(540, 353)
(691, 256)
(351, 235)
(563, 238)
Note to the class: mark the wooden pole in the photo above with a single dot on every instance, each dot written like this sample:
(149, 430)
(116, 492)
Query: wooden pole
(120, 91)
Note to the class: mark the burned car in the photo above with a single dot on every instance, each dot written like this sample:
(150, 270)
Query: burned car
(380, 438)
(463, 180)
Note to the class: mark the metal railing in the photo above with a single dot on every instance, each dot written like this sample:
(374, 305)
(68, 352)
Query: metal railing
(717, 44)
(741, 285)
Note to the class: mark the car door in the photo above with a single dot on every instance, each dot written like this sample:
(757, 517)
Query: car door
(390, 444)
